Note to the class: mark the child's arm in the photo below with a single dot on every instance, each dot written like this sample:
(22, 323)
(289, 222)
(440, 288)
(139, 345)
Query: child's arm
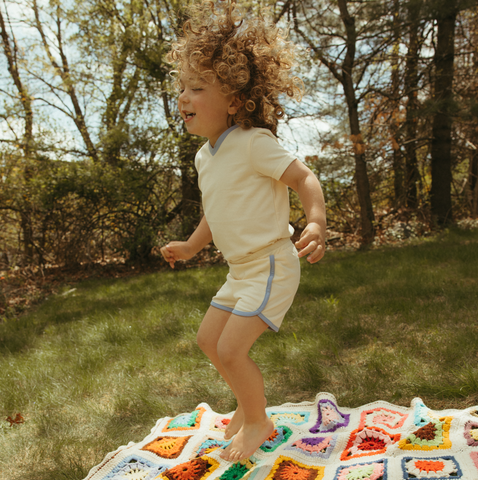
(301, 179)
(174, 251)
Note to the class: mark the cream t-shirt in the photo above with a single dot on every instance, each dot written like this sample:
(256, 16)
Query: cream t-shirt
(245, 203)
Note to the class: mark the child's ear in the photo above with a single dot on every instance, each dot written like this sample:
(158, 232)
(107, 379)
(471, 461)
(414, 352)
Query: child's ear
(234, 105)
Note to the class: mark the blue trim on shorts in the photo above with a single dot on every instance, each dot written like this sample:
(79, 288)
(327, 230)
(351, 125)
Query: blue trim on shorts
(222, 307)
(263, 304)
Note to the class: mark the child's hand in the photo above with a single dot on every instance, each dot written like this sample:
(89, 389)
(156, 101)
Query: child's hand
(311, 243)
(174, 251)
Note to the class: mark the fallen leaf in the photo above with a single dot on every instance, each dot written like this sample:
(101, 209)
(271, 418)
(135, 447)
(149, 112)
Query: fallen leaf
(18, 419)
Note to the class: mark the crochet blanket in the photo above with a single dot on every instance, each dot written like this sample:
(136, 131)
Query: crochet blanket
(312, 441)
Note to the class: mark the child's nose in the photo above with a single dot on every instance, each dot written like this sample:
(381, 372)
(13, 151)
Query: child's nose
(183, 98)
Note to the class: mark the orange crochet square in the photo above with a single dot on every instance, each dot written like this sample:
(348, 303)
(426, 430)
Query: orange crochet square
(197, 469)
(167, 447)
(368, 441)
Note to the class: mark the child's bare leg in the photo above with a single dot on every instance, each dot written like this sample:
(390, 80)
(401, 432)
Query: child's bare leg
(208, 336)
(238, 336)
(236, 421)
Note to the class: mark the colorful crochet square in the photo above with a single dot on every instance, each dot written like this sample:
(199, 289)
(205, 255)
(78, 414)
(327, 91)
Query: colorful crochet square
(279, 436)
(238, 470)
(471, 433)
(220, 423)
(135, 467)
(421, 414)
(209, 445)
(330, 419)
(363, 471)
(197, 469)
(288, 469)
(474, 458)
(167, 447)
(368, 441)
(187, 421)
(316, 447)
(438, 468)
(435, 435)
(297, 418)
(382, 417)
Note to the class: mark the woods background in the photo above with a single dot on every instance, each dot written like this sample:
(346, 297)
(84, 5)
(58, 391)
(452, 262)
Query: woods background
(95, 162)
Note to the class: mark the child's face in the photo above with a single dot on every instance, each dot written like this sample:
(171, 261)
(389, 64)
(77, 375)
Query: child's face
(204, 109)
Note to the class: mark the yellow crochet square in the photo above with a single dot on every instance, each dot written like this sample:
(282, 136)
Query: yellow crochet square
(433, 436)
(286, 468)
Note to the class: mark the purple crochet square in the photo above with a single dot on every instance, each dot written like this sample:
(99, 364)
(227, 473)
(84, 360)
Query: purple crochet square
(330, 419)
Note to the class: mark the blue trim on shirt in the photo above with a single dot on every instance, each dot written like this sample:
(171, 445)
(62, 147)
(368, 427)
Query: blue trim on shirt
(263, 304)
(214, 150)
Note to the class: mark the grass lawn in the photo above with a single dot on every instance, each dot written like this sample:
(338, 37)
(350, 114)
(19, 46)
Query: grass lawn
(96, 365)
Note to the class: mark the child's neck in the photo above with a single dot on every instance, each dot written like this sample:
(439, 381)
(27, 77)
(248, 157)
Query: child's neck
(214, 147)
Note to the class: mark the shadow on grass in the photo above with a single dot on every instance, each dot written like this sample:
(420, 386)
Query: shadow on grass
(110, 297)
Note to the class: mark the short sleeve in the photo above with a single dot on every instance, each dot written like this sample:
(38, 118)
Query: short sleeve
(268, 157)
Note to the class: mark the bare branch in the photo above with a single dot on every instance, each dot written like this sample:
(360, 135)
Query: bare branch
(15, 74)
(284, 10)
(318, 53)
(64, 73)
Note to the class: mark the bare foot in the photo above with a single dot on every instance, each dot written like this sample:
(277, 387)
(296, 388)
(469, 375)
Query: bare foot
(249, 438)
(236, 422)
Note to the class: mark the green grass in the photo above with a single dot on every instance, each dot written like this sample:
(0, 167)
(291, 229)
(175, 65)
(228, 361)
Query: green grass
(94, 368)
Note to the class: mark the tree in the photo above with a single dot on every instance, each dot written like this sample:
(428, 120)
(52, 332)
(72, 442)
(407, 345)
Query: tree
(348, 44)
(411, 89)
(465, 145)
(473, 169)
(10, 49)
(440, 194)
(445, 13)
(62, 69)
(152, 61)
(398, 174)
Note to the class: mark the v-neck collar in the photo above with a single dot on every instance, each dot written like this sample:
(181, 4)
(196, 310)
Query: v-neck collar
(214, 150)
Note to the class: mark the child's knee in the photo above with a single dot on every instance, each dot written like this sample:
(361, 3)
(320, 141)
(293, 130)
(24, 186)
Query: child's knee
(227, 353)
(204, 342)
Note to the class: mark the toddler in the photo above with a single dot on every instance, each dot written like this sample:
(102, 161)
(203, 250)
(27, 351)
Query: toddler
(231, 71)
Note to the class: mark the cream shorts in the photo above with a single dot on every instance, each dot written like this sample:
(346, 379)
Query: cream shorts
(264, 286)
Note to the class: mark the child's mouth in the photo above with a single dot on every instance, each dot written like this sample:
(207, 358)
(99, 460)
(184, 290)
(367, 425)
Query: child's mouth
(189, 116)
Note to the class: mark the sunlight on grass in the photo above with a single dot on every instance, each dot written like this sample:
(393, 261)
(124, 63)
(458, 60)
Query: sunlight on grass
(96, 365)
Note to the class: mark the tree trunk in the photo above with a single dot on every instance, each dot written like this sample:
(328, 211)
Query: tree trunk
(473, 169)
(361, 175)
(440, 194)
(394, 121)
(411, 92)
(473, 183)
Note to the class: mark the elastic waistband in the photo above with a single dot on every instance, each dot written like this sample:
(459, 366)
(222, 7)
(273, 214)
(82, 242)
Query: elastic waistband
(263, 252)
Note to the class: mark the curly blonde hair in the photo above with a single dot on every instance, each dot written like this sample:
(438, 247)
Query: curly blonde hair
(251, 59)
